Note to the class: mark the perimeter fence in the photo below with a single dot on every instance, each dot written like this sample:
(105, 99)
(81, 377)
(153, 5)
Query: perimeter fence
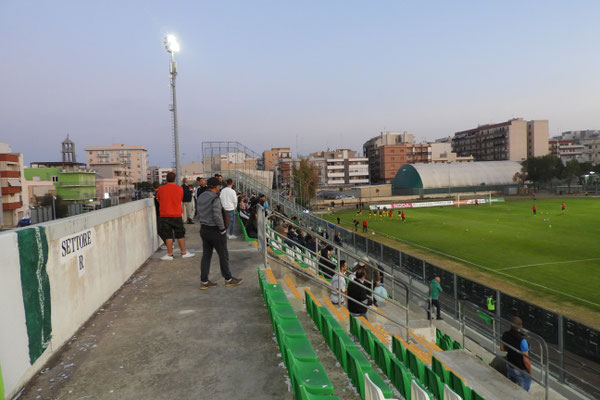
(574, 348)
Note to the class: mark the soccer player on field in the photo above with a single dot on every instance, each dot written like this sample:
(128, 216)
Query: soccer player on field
(370, 213)
(563, 207)
(391, 214)
(403, 216)
(534, 209)
(399, 216)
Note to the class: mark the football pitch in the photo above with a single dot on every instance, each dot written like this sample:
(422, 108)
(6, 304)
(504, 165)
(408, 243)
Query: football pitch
(555, 256)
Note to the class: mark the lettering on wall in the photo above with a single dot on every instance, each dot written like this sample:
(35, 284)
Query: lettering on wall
(76, 246)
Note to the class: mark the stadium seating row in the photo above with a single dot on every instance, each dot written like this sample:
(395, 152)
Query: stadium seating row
(355, 364)
(307, 375)
(445, 342)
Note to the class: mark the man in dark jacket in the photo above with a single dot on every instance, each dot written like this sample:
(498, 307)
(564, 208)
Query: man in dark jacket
(212, 232)
(358, 296)
(188, 206)
(326, 267)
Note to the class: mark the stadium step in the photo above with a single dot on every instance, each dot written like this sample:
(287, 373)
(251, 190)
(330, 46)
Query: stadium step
(313, 369)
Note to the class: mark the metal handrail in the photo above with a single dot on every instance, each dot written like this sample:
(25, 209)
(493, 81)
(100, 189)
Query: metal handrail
(321, 266)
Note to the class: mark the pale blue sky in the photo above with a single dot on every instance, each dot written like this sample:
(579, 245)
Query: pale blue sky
(329, 73)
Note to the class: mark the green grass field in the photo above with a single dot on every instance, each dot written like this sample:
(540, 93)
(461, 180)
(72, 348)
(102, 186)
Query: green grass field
(557, 255)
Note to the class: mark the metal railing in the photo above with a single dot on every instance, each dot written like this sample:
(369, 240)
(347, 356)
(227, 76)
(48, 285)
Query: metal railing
(269, 237)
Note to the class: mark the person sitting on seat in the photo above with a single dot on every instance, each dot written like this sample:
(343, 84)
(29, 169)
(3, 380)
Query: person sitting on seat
(358, 295)
(252, 225)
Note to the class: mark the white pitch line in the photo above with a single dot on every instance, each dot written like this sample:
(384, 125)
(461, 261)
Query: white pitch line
(495, 271)
(548, 263)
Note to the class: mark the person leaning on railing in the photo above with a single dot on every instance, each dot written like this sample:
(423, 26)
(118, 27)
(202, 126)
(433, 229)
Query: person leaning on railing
(518, 367)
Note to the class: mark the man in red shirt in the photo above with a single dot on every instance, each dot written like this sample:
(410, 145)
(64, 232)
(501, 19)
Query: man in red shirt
(534, 209)
(364, 225)
(403, 216)
(563, 207)
(170, 197)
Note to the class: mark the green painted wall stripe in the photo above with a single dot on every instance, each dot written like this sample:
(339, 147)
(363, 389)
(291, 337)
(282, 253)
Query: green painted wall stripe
(33, 255)
(1, 385)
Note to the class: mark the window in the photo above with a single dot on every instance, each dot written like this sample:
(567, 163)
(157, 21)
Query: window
(55, 179)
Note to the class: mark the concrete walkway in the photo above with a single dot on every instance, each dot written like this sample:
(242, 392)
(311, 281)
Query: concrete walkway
(160, 337)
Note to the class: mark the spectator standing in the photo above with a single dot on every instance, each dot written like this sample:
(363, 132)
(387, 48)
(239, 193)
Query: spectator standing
(229, 202)
(518, 367)
(170, 197)
(188, 207)
(326, 267)
(355, 225)
(337, 239)
(212, 232)
(358, 293)
(434, 294)
(339, 282)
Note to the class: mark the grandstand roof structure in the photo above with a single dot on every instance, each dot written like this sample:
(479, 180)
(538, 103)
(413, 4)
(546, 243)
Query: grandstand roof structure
(456, 175)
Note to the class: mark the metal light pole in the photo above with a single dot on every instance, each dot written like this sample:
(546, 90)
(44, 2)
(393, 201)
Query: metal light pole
(172, 47)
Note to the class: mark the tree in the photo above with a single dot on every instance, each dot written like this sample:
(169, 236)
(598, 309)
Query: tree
(306, 180)
(143, 186)
(521, 176)
(60, 206)
(543, 169)
(571, 171)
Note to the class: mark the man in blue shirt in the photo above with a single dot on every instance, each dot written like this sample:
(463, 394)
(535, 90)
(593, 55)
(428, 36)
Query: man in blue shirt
(518, 367)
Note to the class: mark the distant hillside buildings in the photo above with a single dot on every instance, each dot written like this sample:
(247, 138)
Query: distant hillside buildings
(583, 146)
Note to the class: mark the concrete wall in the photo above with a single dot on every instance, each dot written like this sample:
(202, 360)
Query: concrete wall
(123, 238)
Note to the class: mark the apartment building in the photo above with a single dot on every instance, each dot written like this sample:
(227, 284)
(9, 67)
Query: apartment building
(158, 174)
(387, 159)
(271, 157)
(72, 181)
(13, 188)
(441, 152)
(134, 158)
(584, 145)
(342, 167)
(513, 140)
(114, 179)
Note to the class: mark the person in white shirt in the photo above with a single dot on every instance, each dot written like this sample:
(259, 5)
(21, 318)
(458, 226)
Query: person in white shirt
(229, 202)
(339, 281)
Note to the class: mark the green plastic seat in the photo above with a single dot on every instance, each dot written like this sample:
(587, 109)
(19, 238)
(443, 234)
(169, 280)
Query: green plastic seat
(341, 342)
(456, 345)
(311, 377)
(283, 311)
(354, 354)
(399, 350)
(440, 370)
(476, 396)
(416, 366)
(308, 302)
(434, 383)
(299, 348)
(401, 378)
(354, 326)
(459, 387)
(289, 328)
(329, 323)
(276, 297)
(486, 318)
(379, 382)
(305, 395)
(383, 357)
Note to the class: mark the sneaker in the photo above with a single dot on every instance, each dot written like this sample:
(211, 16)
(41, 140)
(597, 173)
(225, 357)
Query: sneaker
(167, 257)
(440, 318)
(207, 285)
(187, 255)
(233, 282)
(231, 236)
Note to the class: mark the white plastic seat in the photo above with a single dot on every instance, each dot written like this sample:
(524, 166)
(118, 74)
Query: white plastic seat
(449, 394)
(417, 392)
(372, 391)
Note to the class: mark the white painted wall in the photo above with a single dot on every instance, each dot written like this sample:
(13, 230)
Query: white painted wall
(125, 237)
(14, 343)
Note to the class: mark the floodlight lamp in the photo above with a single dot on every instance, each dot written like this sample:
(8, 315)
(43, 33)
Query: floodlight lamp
(171, 44)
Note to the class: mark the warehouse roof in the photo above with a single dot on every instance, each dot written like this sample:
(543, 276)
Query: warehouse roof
(428, 176)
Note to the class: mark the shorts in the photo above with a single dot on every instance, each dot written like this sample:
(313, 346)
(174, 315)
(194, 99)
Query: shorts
(171, 227)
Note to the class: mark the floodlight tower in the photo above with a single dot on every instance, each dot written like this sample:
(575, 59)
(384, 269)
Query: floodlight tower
(172, 47)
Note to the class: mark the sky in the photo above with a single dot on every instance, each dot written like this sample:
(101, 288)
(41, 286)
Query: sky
(310, 75)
